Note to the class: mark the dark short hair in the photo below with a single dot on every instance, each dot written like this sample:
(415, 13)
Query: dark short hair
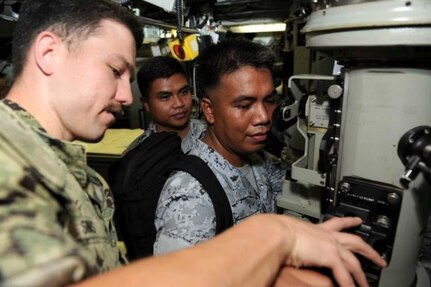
(226, 58)
(159, 67)
(72, 20)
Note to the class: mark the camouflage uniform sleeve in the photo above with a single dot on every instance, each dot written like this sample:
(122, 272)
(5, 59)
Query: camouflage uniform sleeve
(184, 216)
(34, 249)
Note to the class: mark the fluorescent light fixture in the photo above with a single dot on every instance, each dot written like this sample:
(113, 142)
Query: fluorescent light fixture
(401, 19)
(258, 28)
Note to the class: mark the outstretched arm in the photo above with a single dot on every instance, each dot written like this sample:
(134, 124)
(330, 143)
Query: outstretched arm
(252, 254)
(302, 277)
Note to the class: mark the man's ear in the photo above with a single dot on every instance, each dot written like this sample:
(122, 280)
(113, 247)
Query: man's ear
(207, 109)
(145, 103)
(46, 46)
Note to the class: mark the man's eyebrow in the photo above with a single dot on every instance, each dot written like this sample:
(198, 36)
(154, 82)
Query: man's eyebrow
(162, 93)
(243, 98)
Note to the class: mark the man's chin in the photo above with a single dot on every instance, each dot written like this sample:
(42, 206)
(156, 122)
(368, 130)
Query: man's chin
(91, 138)
(256, 148)
(99, 139)
(179, 126)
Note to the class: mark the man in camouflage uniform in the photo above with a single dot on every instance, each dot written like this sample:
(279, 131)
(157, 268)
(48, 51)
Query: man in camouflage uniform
(73, 64)
(238, 110)
(167, 97)
(49, 183)
(59, 228)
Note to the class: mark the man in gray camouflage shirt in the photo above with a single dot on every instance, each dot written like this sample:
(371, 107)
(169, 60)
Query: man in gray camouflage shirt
(236, 82)
(166, 96)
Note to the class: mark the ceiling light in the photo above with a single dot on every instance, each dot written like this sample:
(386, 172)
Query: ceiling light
(258, 28)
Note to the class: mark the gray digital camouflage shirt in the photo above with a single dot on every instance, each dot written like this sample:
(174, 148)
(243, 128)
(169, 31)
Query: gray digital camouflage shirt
(196, 131)
(56, 214)
(185, 214)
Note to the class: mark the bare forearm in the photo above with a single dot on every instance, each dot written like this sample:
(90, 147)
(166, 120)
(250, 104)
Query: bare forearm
(291, 276)
(246, 256)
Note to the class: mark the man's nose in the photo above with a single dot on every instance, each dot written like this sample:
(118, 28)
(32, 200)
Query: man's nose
(124, 93)
(262, 115)
(178, 101)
